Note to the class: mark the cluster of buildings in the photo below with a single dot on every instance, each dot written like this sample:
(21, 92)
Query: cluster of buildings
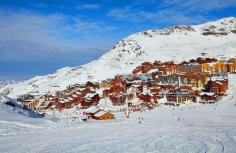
(201, 80)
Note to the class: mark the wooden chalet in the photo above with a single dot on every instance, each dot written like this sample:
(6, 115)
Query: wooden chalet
(91, 111)
(168, 87)
(118, 99)
(91, 86)
(190, 67)
(208, 97)
(105, 84)
(178, 97)
(145, 98)
(156, 97)
(103, 115)
(31, 104)
(86, 103)
(44, 105)
(231, 65)
(146, 66)
(219, 87)
(117, 89)
(118, 81)
(63, 104)
(197, 80)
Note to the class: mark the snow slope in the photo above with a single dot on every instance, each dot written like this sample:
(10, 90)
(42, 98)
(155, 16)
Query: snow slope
(16, 107)
(7, 82)
(14, 121)
(201, 128)
(176, 43)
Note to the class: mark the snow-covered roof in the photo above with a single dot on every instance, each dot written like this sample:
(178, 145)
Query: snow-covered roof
(136, 85)
(75, 96)
(64, 101)
(100, 113)
(219, 83)
(67, 93)
(69, 98)
(92, 109)
(207, 93)
(181, 92)
(99, 91)
(105, 102)
(217, 78)
(153, 70)
(89, 95)
(78, 93)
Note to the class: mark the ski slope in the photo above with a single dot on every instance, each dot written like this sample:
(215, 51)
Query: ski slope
(200, 129)
(17, 107)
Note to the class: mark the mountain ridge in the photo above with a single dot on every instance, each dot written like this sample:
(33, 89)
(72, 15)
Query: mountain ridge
(176, 43)
(7, 82)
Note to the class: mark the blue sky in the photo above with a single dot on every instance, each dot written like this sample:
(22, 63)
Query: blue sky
(39, 36)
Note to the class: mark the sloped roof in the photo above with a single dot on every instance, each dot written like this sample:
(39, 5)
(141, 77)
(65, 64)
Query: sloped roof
(207, 93)
(92, 109)
(100, 113)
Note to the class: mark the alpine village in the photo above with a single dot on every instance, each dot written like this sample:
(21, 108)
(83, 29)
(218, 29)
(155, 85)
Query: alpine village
(202, 80)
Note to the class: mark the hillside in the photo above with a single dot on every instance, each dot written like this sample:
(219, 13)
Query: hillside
(7, 82)
(176, 43)
(11, 106)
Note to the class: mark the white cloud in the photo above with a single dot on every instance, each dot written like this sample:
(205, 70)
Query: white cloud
(89, 6)
(191, 11)
(92, 27)
(170, 11)
(174, 17)
(198, 5)
(128, 13)
(165, 16)
(30, 36)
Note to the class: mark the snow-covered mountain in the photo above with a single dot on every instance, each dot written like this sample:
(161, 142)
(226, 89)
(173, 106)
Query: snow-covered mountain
(7, 82)
(176, 43)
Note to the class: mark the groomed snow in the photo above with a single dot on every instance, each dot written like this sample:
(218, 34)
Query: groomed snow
(200, 129)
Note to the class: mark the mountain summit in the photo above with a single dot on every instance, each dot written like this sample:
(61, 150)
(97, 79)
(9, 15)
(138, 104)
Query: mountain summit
(176, 43)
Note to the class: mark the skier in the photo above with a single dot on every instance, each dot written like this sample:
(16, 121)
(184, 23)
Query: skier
(178, 119)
